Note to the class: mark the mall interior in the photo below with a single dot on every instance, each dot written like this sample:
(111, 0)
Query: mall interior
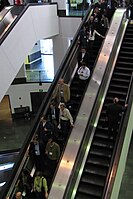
(39, 46)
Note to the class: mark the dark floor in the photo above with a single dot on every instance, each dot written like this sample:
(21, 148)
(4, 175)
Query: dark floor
(13, 132)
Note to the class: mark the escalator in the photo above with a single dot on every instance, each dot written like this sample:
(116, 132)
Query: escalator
(64, 72)
(98, 162)
(76, 92)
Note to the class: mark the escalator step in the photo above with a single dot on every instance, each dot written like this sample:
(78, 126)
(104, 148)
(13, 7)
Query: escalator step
(124, 75)
(127, 48)
(119, 86)
(96, 169)
(101, 134)
(93, 179)
(126, 53)
(125, 58)
(96, 160)
(100, 151)
(120, 80)
(84, 196)
(125, 43)
(124, 68)
(117, 92)
(90, 189)
(103, 142)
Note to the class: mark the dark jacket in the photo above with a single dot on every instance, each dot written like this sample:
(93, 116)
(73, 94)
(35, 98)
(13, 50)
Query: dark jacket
(85, 59)
(113, 111)
(49, 114)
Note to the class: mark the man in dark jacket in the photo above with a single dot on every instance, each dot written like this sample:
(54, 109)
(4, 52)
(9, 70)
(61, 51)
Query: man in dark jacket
(46, 130)
(83, 56)
(53, 116)
(113, 113)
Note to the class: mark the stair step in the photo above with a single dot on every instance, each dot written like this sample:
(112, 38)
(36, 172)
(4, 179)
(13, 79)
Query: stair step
(100, 151)
(93, 179)
(91, 189)
(96, 169)
(98, 160)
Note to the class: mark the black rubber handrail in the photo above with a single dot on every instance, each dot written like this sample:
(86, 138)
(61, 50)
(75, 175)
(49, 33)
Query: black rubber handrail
(43, 108)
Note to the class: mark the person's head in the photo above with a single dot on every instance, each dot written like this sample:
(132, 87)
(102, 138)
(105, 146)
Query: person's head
(44, 118)
(51, 141)
(96, 10)
(115, 100)
(35, 139)
(91, 18)
(39, 174)
(62, 106)
(83, 65)
(61, 81)
(52, 105)
(18, 195)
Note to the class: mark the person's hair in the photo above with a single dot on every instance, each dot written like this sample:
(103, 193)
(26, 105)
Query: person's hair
(115, 100)
(45, 117)
(83, 64)
(39, 173)
(62, 104)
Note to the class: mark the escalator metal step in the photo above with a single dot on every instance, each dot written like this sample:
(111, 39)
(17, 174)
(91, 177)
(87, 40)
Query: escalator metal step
(96, 160)
(93, 179)
(100, 151)
(120, 80)
(125, 75)
(125, 58)
(103, 142)
(127, 48)
(130, 53)
(101, 134)
(117, 92)
(81, 196)
(91, 190)
(96, 169)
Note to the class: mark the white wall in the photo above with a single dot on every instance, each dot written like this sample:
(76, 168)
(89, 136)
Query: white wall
(67, 29)
(37, 22)
(61, 4)
(22, 72)
(20, 94)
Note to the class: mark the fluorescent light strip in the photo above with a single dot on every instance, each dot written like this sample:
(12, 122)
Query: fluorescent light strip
(2, 184)
(7, 166)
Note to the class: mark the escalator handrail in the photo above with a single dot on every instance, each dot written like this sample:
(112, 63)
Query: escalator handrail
(2, 16)
(118, 145)
(43, 108)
